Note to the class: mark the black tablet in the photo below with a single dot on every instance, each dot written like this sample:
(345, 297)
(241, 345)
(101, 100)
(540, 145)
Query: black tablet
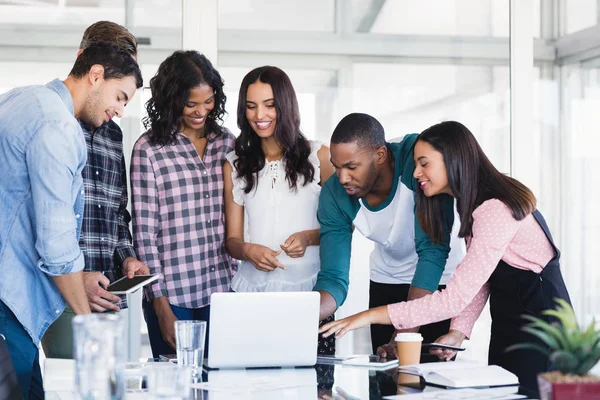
(126, 285)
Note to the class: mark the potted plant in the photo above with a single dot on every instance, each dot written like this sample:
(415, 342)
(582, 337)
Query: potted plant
(572, 350)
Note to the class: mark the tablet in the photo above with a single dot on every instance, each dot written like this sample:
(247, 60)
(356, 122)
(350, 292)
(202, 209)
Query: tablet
(371, 361)
(441, 346)
(126, 285)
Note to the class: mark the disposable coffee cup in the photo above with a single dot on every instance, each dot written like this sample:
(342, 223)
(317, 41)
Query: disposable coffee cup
(409, 348)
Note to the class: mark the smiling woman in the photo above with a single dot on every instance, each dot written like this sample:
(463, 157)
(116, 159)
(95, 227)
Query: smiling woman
(272, 186)
(177, 195)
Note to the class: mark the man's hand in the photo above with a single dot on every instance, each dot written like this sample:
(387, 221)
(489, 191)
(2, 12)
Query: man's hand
(452, 338)
(72, 289)
(95, 286)
(262, 257)
(296, 245)
(166, 320)
(133, 266)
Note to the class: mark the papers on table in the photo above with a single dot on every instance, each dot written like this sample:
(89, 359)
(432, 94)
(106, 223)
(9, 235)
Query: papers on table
(501, 393)
(462, 374)
(370, 361)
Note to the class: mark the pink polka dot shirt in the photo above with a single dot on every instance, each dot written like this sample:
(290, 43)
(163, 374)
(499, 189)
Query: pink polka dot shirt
(496, 236)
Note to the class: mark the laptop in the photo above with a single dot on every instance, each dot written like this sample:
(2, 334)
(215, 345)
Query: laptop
(276, 329)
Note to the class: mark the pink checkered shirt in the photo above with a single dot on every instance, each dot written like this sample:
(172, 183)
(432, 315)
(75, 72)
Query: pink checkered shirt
(178, 220)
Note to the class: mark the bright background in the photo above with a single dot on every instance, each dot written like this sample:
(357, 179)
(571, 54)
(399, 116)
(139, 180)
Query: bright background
(523, 75)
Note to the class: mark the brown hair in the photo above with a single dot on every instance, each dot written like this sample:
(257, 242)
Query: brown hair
(106, 31)
(472, 179)
(294, 145)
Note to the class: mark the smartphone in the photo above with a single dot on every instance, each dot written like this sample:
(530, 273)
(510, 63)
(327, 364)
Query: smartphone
(441, 346)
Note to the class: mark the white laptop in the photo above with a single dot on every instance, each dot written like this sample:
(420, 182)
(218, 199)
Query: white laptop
(277, 329)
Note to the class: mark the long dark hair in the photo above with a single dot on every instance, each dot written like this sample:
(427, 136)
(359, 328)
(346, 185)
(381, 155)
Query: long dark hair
(472, 179)
(294, 146)
(176, 76)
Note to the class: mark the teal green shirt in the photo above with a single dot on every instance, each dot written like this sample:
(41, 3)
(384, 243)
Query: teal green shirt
(403, 251)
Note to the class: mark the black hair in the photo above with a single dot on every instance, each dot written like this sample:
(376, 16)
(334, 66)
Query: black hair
(360, 128)
(472, 178)
(176, 76)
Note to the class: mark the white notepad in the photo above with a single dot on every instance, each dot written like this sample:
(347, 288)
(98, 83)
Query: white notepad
(462, 375)
(500, 393)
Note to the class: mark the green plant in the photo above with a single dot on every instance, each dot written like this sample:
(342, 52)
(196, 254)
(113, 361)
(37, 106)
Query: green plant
(570, 349)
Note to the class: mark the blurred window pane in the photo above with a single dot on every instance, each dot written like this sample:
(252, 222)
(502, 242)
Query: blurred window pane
(277, 15)
(578, 15)
(433, 17)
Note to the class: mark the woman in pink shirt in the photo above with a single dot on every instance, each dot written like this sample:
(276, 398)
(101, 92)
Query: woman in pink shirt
(511, 257)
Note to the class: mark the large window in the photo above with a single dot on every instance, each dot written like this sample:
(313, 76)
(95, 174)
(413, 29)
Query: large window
(410, 63)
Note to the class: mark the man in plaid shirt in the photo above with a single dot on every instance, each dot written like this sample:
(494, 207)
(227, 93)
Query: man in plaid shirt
(105, 238)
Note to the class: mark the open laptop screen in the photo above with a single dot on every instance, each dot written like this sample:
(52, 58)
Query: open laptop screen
(245, 329)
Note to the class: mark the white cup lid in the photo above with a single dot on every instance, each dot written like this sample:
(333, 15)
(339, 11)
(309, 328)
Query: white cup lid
(409, 337)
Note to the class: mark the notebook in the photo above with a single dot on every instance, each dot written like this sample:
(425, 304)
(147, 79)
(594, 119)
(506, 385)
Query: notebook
(498, 393)
(276, 329)
(462, 374)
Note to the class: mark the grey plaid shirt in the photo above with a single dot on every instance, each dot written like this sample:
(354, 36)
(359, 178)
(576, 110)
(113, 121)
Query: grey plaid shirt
(178, 218)
(105, 239)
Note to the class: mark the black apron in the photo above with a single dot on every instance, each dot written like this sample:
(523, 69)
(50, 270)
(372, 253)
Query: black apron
(514, 292)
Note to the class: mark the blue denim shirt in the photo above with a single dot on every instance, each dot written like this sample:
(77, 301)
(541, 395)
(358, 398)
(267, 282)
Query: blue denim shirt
(42, 154)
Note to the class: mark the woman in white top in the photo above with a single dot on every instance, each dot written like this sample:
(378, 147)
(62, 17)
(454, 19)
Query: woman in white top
(272, 186)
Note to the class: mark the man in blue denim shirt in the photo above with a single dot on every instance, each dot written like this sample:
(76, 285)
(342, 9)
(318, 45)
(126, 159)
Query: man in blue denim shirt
(42, 154)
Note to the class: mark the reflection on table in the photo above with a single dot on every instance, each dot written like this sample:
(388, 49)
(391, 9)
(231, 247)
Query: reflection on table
(325, 382)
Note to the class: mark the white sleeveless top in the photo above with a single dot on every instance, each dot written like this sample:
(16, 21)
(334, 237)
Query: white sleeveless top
(273, 212)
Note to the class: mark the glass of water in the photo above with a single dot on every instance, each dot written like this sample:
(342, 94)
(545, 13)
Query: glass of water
(190, 337)
(99, 355)
(168, 381)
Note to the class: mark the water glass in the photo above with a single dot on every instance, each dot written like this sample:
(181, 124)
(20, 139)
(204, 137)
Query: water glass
(99, 351)
(167, 381)
(133, 375)
(190, 337)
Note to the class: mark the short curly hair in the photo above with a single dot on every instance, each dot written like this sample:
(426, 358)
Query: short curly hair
(176, 76)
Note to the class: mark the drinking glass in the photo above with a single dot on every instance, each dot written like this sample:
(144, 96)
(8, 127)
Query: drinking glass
(190, 337)
(99, 351)
(167, 381)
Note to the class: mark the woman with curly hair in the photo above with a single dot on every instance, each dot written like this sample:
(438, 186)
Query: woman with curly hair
(177, 195)
(272, 186)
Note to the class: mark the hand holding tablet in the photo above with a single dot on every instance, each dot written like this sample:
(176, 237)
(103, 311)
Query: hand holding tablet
(127, 285)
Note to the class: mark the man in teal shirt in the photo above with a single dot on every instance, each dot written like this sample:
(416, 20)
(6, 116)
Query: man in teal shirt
(373, 191)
